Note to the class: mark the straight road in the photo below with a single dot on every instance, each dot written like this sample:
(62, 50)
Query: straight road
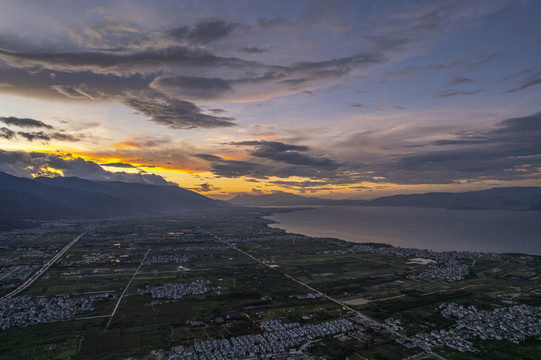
(367, 319)
(44, 268)
(336, 301)
(124, 292)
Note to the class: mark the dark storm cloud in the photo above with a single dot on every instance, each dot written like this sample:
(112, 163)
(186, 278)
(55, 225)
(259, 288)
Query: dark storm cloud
(508, 150)
(29, 164)
(205, 31)
(24, 122)
(518, 136)
(526, 126)
(454, 92)
(204, 187)
(271, 145)
(209, 157)
(176, 114)
(290, 78)
(457, 80)
(303, 186)
(7, 133)
(68, 85)
(511, 150)
(234, 168)
(119, 60)
(289, 154)
(122, 63)
(122, 67)
(149, 60)
(216, 111)
(193, 87)
(46, 137)
(253, 50)
(264, 165)
(32, 136)
(531, 80)
(120, 165)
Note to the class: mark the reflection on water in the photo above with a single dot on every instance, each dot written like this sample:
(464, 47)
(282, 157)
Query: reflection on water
(436, 229)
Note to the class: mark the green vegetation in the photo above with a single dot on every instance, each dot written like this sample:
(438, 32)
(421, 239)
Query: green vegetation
(381, 285)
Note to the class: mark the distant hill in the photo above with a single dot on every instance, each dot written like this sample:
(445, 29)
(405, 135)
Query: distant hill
(519, 198)
(70, 198)
(281, 198)
(496, 198)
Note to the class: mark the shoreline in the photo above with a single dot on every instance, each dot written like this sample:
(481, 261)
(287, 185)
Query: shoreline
(280, 225)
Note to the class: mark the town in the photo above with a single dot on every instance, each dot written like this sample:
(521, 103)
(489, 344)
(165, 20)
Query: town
(227, 286)
(514, 324)
(277, 339)
(178, 291)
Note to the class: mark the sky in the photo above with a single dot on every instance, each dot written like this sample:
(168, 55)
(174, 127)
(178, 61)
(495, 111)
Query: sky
(335, 99)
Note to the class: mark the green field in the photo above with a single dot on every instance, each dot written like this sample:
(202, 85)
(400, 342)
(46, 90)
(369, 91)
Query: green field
(381, 285)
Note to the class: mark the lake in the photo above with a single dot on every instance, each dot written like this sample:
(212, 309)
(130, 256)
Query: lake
(422, 228)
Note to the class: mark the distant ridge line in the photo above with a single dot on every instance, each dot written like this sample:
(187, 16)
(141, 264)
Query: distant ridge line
(505, 198)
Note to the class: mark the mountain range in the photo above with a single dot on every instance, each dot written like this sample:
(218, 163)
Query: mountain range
(508, 198)
(46, 198)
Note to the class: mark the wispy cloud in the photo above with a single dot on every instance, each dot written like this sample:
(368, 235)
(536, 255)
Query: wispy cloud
(205, 31)
(530, 80)
(24, 122)
(454, 92)
(177, 114)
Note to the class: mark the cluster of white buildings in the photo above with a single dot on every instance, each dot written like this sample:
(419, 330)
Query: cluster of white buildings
(22, 311)
(277, 237)
(167, 259)
(395, 324)
(419, 253)
(178, 291)
(514, 324)
(278, 339)
(196, 248)
(17, 272)
(450, 270)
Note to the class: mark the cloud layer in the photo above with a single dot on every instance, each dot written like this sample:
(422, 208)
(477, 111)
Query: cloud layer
(30, 164)
(306, 96)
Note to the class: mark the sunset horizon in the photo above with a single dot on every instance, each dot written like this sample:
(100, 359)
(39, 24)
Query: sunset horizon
(270, 180)
(343, 100)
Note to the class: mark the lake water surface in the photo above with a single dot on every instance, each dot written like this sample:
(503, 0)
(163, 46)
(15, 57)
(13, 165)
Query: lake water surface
(423, 228)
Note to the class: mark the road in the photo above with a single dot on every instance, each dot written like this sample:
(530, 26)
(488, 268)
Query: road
(44, 268)
(125, 289)
(367, 319)
(336, 301)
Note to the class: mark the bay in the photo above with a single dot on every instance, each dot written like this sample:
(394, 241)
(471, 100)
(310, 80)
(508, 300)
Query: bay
(422, 228)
